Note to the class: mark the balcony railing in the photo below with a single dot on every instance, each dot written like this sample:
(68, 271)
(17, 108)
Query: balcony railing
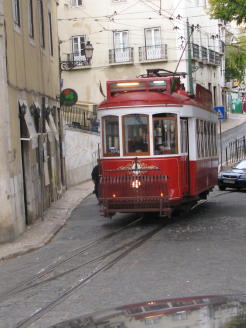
(222, 47)
(195, 51)
(204, 53)
(74, 60)
(79, 118)
(211, 56)
(121, 55)
(152, 53)
(217, 59)
(214, 58)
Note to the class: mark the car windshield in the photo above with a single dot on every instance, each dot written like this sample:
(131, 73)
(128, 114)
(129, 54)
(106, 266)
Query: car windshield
(241, 165)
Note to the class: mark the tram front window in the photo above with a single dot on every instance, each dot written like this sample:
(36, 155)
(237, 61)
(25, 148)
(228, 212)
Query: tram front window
(111, 136)
(136, 135)
(165, 134)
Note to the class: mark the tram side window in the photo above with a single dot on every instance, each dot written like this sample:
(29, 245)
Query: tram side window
(184, 135)
(165, 134)
(136, 134)
(111, 136)
(206, 139)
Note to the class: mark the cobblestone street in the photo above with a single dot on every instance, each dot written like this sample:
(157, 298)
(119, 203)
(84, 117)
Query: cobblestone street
(202, 253)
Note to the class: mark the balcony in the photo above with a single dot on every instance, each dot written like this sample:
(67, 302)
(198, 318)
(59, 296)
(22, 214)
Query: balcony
(204, 53)
(79, 117)
(195, 51)
(221, 47)
(217, 59)
(211, 56)
(74, 60)
(153, 53)
(121, 56)
(214, 58)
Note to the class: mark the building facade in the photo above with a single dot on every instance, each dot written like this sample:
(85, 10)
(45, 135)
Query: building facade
(32, 164)
(129, 37)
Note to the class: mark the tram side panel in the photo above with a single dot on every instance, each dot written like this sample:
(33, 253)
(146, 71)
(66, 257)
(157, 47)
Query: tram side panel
(203, 175)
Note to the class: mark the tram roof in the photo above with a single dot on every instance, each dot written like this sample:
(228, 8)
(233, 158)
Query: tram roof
(153, 91)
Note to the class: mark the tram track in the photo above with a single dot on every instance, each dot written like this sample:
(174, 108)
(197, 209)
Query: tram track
(47, 272)
(76, 252)
(121, 252)
(101, 263)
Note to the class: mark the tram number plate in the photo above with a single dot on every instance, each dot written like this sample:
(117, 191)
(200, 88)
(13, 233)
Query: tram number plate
(229, 181)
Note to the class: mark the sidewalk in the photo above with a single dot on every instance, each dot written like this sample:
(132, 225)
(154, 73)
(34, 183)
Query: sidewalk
(41, 232)
(233, 121)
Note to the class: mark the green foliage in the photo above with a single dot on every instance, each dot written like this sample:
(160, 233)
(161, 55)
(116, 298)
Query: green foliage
(236, 60)
(237, 322)
(229, 10)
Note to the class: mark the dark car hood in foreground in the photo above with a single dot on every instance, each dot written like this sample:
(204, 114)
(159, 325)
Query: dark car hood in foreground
(202, 312)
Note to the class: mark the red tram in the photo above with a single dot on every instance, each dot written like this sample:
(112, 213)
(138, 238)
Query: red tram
(159, 145)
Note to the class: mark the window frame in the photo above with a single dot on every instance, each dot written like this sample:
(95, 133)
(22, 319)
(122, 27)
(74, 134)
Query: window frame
(104, 140)
(50, 33)
(41, 21)
(79, 54)
(16, 12)
(167, 118)
(186, 143)
(30, 20)
(124, 141)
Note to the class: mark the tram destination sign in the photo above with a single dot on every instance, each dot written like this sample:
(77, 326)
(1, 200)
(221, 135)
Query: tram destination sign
(68, 97)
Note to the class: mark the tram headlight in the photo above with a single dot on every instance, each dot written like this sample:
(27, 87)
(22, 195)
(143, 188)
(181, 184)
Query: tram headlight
(136, 183)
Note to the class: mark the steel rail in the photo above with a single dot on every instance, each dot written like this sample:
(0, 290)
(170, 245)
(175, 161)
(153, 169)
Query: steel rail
(53, 266)
(41, 312)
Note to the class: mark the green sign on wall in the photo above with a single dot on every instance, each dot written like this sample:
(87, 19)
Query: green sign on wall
(69, 97)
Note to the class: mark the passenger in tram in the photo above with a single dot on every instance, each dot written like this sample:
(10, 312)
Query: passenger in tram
(163, 150)
(139, 146)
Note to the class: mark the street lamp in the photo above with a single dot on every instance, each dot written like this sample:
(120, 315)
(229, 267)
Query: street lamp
(88, 51)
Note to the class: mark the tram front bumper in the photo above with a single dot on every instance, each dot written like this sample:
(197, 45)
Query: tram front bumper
(131, 204)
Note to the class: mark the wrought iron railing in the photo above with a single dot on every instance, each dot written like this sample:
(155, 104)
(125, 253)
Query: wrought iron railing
(222, 47)
(204, 53)
(151, 53)
(217, 59)
(211, 56)
(235, 151)
(121, 55)
(74, 60)
(214, 57)
(195, 51)
(79, 118)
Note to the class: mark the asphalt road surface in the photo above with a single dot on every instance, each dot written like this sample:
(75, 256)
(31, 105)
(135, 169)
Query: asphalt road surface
(96, 263)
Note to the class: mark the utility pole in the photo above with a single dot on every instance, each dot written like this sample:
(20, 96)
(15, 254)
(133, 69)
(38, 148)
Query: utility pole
(190, 77)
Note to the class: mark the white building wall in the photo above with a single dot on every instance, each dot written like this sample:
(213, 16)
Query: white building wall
(98, 19)
(81, 151)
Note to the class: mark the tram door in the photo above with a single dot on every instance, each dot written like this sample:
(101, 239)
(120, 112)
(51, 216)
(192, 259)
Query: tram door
(184, 144)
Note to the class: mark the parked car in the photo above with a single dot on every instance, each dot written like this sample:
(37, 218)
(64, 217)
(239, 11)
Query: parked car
(233, 178)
